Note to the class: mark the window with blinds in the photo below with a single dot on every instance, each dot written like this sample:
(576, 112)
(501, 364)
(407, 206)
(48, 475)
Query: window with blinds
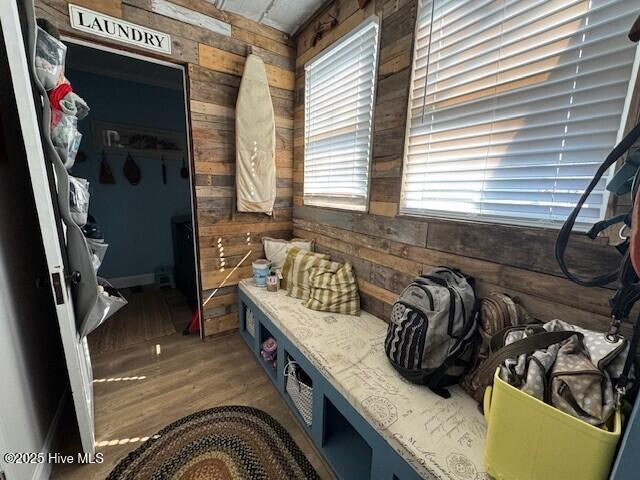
(338, 109)
(513, 105)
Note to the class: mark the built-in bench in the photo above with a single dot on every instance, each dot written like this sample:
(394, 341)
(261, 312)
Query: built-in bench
(367, 420)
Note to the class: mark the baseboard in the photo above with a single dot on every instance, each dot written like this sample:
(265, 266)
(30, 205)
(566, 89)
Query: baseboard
(43, 469)
(133, 280)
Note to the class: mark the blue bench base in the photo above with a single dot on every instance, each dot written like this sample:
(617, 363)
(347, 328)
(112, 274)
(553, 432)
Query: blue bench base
(349, 444)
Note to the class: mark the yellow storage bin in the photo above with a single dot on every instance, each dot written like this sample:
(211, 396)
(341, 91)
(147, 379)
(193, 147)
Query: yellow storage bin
(530, 440)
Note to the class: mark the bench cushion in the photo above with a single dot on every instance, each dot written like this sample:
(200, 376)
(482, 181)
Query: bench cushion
(440, 438)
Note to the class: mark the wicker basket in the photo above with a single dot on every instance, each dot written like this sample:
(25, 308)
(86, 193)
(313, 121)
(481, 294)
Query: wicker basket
(301, 394)
(250, 322)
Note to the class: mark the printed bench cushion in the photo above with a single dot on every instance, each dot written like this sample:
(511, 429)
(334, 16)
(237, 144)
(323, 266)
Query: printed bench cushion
(440, 438)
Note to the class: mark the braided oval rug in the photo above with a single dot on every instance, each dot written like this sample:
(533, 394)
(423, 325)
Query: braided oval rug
(218, 444)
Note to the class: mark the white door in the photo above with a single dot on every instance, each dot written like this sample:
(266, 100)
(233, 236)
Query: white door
(75, 348)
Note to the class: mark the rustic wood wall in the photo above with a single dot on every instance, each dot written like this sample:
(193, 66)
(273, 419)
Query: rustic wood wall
(214, 63)
(388, 250)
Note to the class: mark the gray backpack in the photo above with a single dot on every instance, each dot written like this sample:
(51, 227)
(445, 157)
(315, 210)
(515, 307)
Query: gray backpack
(433, 324)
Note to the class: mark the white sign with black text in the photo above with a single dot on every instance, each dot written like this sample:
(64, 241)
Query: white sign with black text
(113, 28)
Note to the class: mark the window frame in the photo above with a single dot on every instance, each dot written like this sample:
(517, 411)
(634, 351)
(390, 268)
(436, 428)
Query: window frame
(328, 201)
(531, 223)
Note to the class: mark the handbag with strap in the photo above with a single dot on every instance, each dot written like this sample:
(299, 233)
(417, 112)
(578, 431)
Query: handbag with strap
(573, 374)
(626, 179)
(628, 292)
(536, 338)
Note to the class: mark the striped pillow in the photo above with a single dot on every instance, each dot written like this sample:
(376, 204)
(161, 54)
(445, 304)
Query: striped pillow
(288, 267)
(298, 283)
(334, 290)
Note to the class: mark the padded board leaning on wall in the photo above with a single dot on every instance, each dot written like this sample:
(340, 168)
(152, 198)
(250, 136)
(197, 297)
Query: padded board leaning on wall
(213, 46)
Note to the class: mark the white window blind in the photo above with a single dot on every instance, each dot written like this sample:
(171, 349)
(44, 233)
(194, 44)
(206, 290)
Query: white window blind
(513, 105)
(338, 109)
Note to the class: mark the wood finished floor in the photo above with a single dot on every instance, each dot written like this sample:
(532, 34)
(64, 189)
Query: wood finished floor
(146, 316)
(189, 375)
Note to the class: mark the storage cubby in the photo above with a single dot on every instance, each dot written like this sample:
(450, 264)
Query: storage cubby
(249, 321)
(345, 439)
(246, 329)
(347, 451)
(299, 389)
(269, 366)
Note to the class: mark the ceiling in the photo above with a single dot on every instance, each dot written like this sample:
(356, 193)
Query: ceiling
(285, 15)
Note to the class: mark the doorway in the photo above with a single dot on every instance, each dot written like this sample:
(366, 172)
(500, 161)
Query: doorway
(135, 155)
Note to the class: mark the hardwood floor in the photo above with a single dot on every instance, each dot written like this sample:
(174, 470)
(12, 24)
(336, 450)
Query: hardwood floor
(187, 375)
(145, 317)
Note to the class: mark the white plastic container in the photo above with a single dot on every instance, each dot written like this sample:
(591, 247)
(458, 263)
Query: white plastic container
(261, 269)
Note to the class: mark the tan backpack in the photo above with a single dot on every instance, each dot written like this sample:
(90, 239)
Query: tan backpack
(497, 312)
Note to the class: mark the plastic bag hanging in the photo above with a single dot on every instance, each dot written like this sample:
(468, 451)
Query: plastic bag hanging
(50, 58)
(97, 250)
(108, 302)
(66, 109)
(79, 199)
(66, 138)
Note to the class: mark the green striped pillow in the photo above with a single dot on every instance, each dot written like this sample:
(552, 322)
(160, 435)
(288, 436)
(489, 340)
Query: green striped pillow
(334, 290)
(295, 271)
(287, 266)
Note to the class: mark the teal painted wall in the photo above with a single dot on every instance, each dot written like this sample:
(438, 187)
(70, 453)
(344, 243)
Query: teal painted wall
(627, 464)
(135, 219)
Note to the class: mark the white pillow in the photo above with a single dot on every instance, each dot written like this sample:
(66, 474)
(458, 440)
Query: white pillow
(276, 249)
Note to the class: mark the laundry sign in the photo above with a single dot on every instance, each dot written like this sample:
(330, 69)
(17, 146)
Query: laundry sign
(113, 28)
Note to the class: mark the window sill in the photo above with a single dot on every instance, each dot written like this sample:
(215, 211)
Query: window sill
(544, 231)
(499, 221)
(334, 206)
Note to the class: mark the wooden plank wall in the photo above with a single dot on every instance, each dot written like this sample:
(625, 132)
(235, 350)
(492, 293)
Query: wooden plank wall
(388, 250)
(214, 63)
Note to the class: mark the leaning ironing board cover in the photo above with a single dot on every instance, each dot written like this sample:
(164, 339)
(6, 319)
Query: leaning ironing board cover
(255, 141)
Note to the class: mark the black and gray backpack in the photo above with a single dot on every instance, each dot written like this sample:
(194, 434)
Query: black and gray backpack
(432, 328)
